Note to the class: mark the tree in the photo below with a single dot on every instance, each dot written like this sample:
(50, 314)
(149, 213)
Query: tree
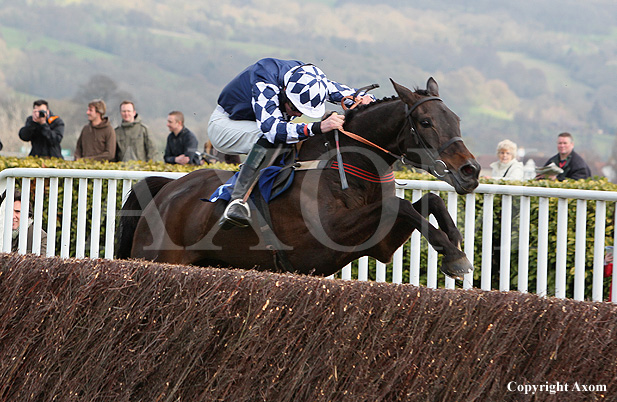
(101, 86)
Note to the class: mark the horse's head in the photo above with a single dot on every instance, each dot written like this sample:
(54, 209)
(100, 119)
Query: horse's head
(432, 138)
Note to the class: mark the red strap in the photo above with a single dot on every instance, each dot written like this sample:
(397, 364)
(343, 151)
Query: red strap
(363, 174)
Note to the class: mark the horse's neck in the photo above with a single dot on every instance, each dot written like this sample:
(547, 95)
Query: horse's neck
(315, 148)
(374, 123)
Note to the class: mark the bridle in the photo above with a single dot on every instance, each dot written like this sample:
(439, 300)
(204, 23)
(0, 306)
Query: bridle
(437, 167)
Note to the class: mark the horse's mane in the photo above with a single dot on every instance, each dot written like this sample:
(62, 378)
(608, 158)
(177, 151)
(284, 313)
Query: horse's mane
(422, 92)
(350, 113)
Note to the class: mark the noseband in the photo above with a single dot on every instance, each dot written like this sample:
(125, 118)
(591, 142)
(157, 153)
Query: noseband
(437, 166)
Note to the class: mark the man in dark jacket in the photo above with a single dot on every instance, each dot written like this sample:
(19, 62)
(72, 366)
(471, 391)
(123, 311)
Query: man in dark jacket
(44, 130)
(573, 166)
(181, 142)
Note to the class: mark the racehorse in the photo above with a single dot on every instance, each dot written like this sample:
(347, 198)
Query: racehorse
(318, 226)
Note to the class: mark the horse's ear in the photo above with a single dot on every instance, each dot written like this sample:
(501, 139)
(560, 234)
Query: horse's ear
(404, 93)
(431, 87)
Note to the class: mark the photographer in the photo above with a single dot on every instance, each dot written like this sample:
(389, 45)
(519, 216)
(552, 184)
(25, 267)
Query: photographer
(44, 130)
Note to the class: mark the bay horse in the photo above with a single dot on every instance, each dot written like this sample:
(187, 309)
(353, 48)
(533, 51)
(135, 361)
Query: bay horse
(319, 227)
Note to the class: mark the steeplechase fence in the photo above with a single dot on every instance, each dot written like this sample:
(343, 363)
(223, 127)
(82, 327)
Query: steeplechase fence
(518, 237)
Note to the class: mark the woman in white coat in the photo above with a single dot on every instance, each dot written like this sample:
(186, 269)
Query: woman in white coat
(507, 167)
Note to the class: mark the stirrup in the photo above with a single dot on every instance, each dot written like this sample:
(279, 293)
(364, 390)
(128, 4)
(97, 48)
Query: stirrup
(229, 219)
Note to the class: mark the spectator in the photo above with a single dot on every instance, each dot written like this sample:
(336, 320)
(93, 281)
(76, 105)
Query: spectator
(44, 130)
(608, 268)
(97, 140)
(16, 221)
(132, 137)
(573, 166)
(507, 167)
(212, 155)
(181, 142)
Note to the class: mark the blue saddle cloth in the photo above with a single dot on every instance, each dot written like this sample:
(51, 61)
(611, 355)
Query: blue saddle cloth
(266, 184)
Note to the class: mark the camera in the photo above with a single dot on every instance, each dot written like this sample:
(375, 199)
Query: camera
(42, 113)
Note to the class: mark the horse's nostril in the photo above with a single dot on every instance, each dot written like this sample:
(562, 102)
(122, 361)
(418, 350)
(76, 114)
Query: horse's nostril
(469, 170)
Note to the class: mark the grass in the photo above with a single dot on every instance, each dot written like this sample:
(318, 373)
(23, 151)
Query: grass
(494, 113)
(23, 40)
(557, 76)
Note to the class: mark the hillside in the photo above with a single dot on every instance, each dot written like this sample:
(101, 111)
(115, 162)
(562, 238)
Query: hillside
(524, 70)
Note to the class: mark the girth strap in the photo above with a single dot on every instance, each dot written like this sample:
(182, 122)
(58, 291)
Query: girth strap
(279, 256)
(350, 169)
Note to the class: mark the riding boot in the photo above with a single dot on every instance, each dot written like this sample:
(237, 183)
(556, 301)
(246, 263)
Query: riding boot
(238, 213)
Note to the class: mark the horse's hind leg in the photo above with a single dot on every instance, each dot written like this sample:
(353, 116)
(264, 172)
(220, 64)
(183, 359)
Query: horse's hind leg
(172, 257)
(432, 204)
(168, 254)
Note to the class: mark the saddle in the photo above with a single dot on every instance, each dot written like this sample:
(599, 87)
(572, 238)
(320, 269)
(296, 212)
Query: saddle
(273, 181)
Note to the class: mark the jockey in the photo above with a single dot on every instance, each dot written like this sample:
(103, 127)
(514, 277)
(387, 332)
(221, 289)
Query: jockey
(253, 116)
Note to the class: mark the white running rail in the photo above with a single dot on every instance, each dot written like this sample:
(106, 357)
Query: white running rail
(514, 223)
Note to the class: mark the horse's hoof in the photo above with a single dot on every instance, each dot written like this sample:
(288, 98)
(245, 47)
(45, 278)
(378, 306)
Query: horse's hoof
(457, 268)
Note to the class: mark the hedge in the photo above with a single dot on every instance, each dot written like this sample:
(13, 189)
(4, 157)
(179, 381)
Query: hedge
(98, 330)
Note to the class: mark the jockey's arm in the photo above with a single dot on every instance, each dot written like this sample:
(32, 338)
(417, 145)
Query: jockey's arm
(270, 118)
(277, 130)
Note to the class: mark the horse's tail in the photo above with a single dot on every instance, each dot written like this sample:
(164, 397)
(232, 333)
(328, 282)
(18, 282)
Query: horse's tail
(139, 197)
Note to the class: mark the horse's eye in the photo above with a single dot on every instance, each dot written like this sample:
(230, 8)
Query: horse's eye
(425, 123)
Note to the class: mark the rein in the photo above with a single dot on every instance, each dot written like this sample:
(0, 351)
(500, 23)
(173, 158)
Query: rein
(354, 98)
(367, 142)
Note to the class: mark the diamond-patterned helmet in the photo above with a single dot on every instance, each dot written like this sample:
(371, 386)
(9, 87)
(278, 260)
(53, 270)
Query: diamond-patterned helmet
(305, 87)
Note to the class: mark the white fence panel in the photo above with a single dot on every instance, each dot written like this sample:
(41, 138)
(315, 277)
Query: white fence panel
(80, 240)
(476, 222)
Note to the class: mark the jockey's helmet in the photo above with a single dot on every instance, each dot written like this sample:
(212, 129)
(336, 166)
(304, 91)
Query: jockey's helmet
(305, 87)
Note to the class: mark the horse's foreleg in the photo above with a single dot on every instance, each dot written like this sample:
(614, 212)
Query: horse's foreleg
(432, 204)
(387, 225)
(455, 262)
